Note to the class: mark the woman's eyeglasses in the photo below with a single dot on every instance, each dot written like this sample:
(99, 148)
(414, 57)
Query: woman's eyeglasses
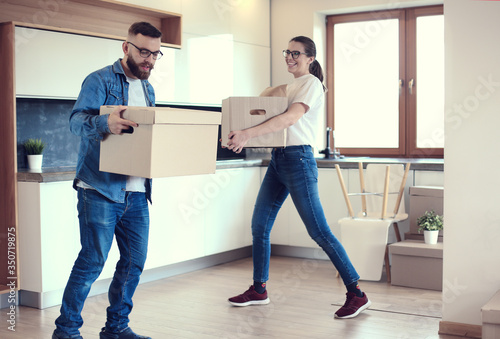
(295, 54)
(143, 52)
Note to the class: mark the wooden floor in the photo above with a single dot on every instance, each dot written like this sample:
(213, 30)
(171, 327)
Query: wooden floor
(304, 296)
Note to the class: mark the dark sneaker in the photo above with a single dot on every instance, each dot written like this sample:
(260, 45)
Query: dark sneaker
(55, 335)
(353, 306)
(126, 334)
(250, 297)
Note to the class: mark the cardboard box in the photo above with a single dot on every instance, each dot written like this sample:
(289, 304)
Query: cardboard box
(416, 264)
(243, 112)
(167, 142)
(490, 314)
(423, 198)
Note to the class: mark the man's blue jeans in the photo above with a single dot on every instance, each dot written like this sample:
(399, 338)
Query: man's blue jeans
(293, 171)
(100, 220)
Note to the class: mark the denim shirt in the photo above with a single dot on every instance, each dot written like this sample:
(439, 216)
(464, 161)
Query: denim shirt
(107, 86)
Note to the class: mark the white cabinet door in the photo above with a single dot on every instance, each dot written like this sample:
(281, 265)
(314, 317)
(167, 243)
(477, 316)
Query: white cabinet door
(177, 226)
(200, 215)
(49, 237)
(429, 178)
(54, 64)
(232, 195)
(333, 204)
(289, 228)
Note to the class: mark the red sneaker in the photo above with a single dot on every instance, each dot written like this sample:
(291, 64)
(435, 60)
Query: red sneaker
(250, 297)
(353, 306)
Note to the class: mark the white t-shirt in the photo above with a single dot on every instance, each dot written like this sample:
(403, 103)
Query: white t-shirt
(136, 97)
(308, 90)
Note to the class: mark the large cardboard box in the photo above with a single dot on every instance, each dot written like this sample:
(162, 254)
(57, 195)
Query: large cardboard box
(417, 264)
(243, 112)
(167, 142)
(423, 198)
(490, 314)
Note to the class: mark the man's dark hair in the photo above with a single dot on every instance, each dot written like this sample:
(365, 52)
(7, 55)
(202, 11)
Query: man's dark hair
(144, 28)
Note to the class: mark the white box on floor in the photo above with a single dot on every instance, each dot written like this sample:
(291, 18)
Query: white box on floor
(490, 314)
(167, 142)
(243, 112)
(423, 198)
(416, 264)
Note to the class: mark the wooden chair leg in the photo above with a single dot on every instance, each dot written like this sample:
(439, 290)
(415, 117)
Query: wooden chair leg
(396, 231)
(387, 264)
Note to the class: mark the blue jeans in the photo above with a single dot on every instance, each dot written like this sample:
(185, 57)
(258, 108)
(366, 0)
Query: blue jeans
(293, 171)
(100, 220)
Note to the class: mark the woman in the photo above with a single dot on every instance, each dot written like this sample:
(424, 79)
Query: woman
(293, 171)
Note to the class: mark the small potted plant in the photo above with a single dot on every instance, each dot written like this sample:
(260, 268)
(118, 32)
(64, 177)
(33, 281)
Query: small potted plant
(431, 223)
(34, 150)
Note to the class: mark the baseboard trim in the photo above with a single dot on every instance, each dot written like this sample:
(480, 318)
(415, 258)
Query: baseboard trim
(43, 300)
(460, 329)
(298, 252)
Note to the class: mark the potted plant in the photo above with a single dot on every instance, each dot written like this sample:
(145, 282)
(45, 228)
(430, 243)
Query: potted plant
(34, 150)
(431, 223)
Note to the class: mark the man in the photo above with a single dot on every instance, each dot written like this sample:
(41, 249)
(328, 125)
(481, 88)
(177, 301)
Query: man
(110, 204)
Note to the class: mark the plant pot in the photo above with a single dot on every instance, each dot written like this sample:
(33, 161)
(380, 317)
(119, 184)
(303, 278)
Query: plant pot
(35, 162)
(431, 237)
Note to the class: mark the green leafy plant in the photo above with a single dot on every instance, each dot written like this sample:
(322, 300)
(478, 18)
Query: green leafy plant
(34, 146)
(430, 221)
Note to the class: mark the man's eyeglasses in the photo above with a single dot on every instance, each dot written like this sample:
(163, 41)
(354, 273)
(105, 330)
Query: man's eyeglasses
(295, 54)
(143, 52)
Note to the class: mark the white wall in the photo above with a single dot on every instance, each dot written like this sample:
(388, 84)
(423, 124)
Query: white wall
(225, 50)
(472, 153)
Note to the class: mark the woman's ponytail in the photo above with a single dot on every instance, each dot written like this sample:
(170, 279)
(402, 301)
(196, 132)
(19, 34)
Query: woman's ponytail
(316, 70)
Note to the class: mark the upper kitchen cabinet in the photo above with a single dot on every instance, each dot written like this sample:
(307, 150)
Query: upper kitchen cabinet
(98, 18)
(58, 60)
(237, 20)
(208, 69)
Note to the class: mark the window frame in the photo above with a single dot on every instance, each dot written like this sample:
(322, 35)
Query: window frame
(407, 128)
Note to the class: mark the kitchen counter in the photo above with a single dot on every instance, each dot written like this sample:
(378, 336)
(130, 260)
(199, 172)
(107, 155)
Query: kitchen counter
(55, 174)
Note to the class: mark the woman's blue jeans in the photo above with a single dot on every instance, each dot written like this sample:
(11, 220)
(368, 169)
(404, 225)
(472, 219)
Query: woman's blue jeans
(293, 171)
(100, 220)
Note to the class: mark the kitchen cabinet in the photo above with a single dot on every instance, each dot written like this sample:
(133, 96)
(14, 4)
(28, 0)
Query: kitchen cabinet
(98, 18)
(54, 65)
(191, 217)
(289, 229)
(105, 19)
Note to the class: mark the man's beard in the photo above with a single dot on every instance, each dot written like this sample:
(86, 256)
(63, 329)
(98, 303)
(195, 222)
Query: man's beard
(134, 68)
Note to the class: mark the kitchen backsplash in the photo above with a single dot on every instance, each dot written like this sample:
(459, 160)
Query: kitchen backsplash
(48, 119)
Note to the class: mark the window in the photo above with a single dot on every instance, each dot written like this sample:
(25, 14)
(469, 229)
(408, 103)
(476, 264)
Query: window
(385, 75)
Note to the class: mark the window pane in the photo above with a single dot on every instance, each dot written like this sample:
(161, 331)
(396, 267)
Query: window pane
(366, 78)
(430, 81)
